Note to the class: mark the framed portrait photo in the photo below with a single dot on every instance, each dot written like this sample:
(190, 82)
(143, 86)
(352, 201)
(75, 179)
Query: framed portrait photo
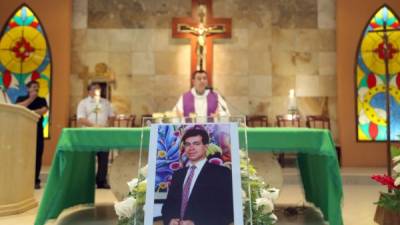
(194, 175)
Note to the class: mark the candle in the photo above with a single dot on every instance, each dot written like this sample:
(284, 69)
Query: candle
(97, 96)
(292, 105)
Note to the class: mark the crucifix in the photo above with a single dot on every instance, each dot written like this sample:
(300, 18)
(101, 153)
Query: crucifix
(201, 29)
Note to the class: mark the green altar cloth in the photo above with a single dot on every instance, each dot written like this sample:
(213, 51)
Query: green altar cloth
(71, 179)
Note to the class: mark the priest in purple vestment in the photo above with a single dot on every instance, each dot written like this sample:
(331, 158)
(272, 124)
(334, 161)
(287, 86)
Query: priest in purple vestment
(200, 100)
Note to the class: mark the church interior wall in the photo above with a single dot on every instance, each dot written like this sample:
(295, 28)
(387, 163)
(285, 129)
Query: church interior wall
(275, 46)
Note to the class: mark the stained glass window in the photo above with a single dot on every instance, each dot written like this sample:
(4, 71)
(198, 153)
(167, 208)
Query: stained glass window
(25, 56)
(378, 56)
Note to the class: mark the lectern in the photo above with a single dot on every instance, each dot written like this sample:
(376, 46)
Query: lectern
(17, 159)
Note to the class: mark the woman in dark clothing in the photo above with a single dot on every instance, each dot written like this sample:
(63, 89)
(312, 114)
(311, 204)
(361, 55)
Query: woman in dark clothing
(39, 105)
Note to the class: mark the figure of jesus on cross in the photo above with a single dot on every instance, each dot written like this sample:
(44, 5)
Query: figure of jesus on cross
(201, 29)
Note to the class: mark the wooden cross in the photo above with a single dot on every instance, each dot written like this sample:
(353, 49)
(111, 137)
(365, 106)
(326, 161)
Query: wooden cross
(201, 29)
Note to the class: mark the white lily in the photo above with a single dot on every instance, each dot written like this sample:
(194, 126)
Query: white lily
(266, 202)
(132, 184)
(273, 217)
(396, 159)
(270, 193)
(125, 208)
(143, 171)
(243, 155)
(244, 195)
(397, 181)
(397, 168)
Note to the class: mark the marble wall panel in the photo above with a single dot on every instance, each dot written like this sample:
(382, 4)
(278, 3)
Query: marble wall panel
(283, 63)
(135, 14)
(279, 106)
(306, 63)
(327, 14)
(260, 39)
(142, 39)
(244, 15)
(232, 85)
(166, 63)
(79, 14)
(183, 60)
(124, 85)
(121, 104)
(327, 40)
(238, 41)
(92, 58)
(307, 40)
(332, 106)
(162, 40)
(237, 105)
(259, 105)
(165, 103)
(142, 105)
(78, 63)
(141, 86)
(283, 39)
(120, 63)
(327, 63)
(120, 40)
(79, 40)
(307, 85)
(260, 63)
(311, 105)
(284, 13)
(327, 86)
(230, 62)
(98, 40)
(73, 101)
(260, 86)
(76, 86)
(143, 63)
(171, 85)
(306, 14)
(282, 84)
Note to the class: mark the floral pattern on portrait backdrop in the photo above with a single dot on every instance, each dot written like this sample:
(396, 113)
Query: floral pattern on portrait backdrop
(171, 157)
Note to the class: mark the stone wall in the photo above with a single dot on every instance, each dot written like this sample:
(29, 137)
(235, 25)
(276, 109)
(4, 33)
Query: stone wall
(276, 45)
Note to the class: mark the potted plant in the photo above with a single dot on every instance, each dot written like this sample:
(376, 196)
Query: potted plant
(388, 209)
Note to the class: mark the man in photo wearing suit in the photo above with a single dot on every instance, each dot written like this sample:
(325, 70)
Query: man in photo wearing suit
(200, 193)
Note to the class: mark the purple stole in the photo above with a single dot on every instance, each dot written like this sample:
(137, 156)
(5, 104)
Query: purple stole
(188, 103)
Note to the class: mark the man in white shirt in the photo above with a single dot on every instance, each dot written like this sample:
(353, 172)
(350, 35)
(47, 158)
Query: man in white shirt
(94, 111)
(201, 101)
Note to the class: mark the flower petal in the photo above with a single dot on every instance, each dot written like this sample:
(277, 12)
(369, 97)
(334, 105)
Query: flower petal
(125, 208)
(397, 182)
(132, 184)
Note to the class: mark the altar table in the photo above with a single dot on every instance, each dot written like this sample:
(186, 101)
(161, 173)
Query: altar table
(71, 178)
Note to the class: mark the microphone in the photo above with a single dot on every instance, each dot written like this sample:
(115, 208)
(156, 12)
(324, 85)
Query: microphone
(232, 106)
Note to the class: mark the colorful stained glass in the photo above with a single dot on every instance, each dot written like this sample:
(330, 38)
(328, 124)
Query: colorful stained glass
(25, 56)
(378, 55)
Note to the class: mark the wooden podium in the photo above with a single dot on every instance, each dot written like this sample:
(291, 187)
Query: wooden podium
(17, 158)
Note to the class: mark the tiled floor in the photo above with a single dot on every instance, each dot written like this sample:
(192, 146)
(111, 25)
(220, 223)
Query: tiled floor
(358, 208)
